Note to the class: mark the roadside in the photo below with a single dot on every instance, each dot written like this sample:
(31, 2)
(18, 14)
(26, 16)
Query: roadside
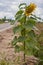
(5, 46)
(5, 26)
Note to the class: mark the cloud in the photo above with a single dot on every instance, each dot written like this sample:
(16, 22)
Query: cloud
(1, 4)
(8, 8)
(7, 14)
(13, 7)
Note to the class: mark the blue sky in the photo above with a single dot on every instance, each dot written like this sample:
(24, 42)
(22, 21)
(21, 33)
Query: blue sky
(8, 8)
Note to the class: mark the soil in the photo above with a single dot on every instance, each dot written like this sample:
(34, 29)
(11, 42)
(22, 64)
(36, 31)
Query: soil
(5, 46)
(6, 49)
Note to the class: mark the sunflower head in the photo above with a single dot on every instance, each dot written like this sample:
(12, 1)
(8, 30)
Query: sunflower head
(29, 9)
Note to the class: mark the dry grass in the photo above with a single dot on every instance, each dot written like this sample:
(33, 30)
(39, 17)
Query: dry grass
(6, 49)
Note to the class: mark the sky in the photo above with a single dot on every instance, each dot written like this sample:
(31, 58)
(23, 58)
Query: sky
(8, 8)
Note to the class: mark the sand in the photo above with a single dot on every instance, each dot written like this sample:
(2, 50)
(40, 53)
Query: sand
(6, 49)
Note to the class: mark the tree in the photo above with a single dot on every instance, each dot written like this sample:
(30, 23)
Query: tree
(4, 19)
(25, 29)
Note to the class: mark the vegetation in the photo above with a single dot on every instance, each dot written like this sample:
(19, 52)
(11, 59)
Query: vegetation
(4, 60)
(26, 36)
(1, 21)
(40, 52)
(27, 40)
(5, 19)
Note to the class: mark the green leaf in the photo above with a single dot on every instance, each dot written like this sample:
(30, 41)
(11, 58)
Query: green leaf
(30, 46)
(21, 39)
(31, 40)
(29, 24)
(18, 15)
(14, 41)
(31, 21)
(17, 48)
(22, 19)
(28, 27)
(32, 34)
(33, 18)
(28, 49)
(40, 52)
(29, 52)
(19, 12)
(17, 18)
(36, 17)
(40, 38)
(17, 29)
(23, 4)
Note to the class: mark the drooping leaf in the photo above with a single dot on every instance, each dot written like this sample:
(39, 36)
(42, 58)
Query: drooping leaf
(17, 29)
(14, 41)
(31, 41)
(18, 15)
(31, 21)
(28, 27)
(17, 18)
(29, 52)
(19, 12)
(29, 24)
(36, 17)
(32, 34)
(17, 48)
(21, 38)
(33, 18)
(30, 46)
(23, 4)
(22, 19)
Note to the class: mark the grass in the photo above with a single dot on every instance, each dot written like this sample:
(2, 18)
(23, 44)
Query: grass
(1, 22)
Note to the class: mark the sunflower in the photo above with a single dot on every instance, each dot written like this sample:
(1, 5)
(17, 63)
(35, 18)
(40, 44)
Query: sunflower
(29, 9)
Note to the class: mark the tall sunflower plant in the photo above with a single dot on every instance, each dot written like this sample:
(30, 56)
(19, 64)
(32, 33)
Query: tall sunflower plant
(25, 29)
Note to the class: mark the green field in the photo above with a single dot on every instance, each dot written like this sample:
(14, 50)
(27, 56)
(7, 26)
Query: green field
(1, 22)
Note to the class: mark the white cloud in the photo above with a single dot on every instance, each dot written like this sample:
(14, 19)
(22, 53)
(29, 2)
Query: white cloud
(8, 14)
(38, 12)
(1, 4)
(9, 7)
(39, 1)
(14, 3)
(21, 0)
(14, 7)
(42, 16)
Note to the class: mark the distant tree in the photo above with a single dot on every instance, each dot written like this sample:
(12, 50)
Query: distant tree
(4, 19)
